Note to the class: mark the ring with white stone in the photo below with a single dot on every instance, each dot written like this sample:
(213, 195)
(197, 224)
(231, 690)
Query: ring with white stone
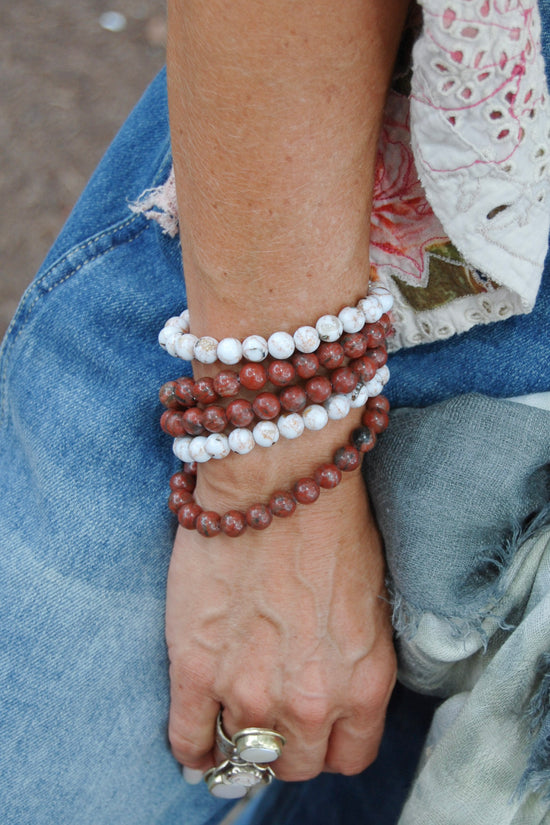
(258, 745)
(250, 745)
(233, 779)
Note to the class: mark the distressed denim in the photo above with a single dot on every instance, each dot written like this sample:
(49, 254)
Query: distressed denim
(85, 535)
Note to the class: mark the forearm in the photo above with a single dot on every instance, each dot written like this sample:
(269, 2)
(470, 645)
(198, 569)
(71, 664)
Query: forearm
(275, 111)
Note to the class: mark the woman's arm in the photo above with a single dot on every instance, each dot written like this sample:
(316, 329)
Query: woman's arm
(275, 110)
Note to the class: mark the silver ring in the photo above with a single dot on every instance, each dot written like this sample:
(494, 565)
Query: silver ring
(224, 743)
(252, 745)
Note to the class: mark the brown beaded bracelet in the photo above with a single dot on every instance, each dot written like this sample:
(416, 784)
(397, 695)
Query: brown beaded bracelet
(185, 392)
(282, 503)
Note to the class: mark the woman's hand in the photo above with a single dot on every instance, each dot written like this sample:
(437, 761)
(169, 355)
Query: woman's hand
(285, 629)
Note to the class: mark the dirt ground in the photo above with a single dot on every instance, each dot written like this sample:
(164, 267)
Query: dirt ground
(67, 82)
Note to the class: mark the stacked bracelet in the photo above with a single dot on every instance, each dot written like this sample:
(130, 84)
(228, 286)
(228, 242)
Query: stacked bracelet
(282, 503)
(205, 443)
(318, 373)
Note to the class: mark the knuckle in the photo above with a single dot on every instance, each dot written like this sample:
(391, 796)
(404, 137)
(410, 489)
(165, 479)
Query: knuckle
(250, 703)
(312, 714)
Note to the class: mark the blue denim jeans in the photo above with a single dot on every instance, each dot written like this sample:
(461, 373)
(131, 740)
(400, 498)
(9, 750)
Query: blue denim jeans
(85, 534)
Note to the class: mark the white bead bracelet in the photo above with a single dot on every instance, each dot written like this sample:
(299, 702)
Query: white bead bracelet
(314, 417)
(178, 341)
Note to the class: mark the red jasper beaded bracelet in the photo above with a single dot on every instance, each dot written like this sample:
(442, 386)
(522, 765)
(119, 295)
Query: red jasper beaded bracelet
(282, 503)
(185, 392)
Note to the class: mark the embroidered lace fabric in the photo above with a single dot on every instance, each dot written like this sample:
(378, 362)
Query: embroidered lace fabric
(461, 209)
(468, 246)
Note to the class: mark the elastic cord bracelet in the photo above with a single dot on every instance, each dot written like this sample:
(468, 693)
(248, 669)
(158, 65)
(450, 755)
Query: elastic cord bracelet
(178, 341)
(266, 433)
(282, 502)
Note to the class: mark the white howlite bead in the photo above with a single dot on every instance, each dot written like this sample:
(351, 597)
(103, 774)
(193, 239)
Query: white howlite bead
(176, 322)
(167, 336)
(359, 396)
(198, 451)
(329, 327)
(186, 323)
(241, 441)
(265, 433)
(383, 295)
(383, 374)
(185, 346)
(371, 308)
(206, 350)
(180, 448)
(230, 351)
(352, 319)
(281, 345)
(255, 348)
(315, 417)
(337, 406)
(217, 445)
(291, 425)
(374, 387)
(306, 339)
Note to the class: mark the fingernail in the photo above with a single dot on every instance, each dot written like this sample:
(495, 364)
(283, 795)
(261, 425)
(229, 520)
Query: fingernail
(192, 776)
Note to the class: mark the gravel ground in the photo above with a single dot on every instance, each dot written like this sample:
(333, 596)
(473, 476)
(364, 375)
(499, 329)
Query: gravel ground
(68, 80)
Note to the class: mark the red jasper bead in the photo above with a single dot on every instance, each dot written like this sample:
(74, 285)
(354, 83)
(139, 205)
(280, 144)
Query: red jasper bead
(253, 376)
(208, 523)
(293, 399)
(266, 406)
(386, 324)
(328, 476)
(172, 423)
(364, 367)
(330, 355)
(306, 364)
(168, 397)
(240, 412)
(379, 402)
(374, 333)
(192, 421)
(188, 514)
(318, 389)
(344, 380)
(183, 481)
(282, 504)
(190, 467)
(178, 498)
(214, 419)
(375, 420)
(227, 384)
(258, 516)
(232, 523)
(363, 439)
(378, 356)
(281, 373)
(306, 490)
(204, 391)
(354, 344)
(184, 391)
(347, 458)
